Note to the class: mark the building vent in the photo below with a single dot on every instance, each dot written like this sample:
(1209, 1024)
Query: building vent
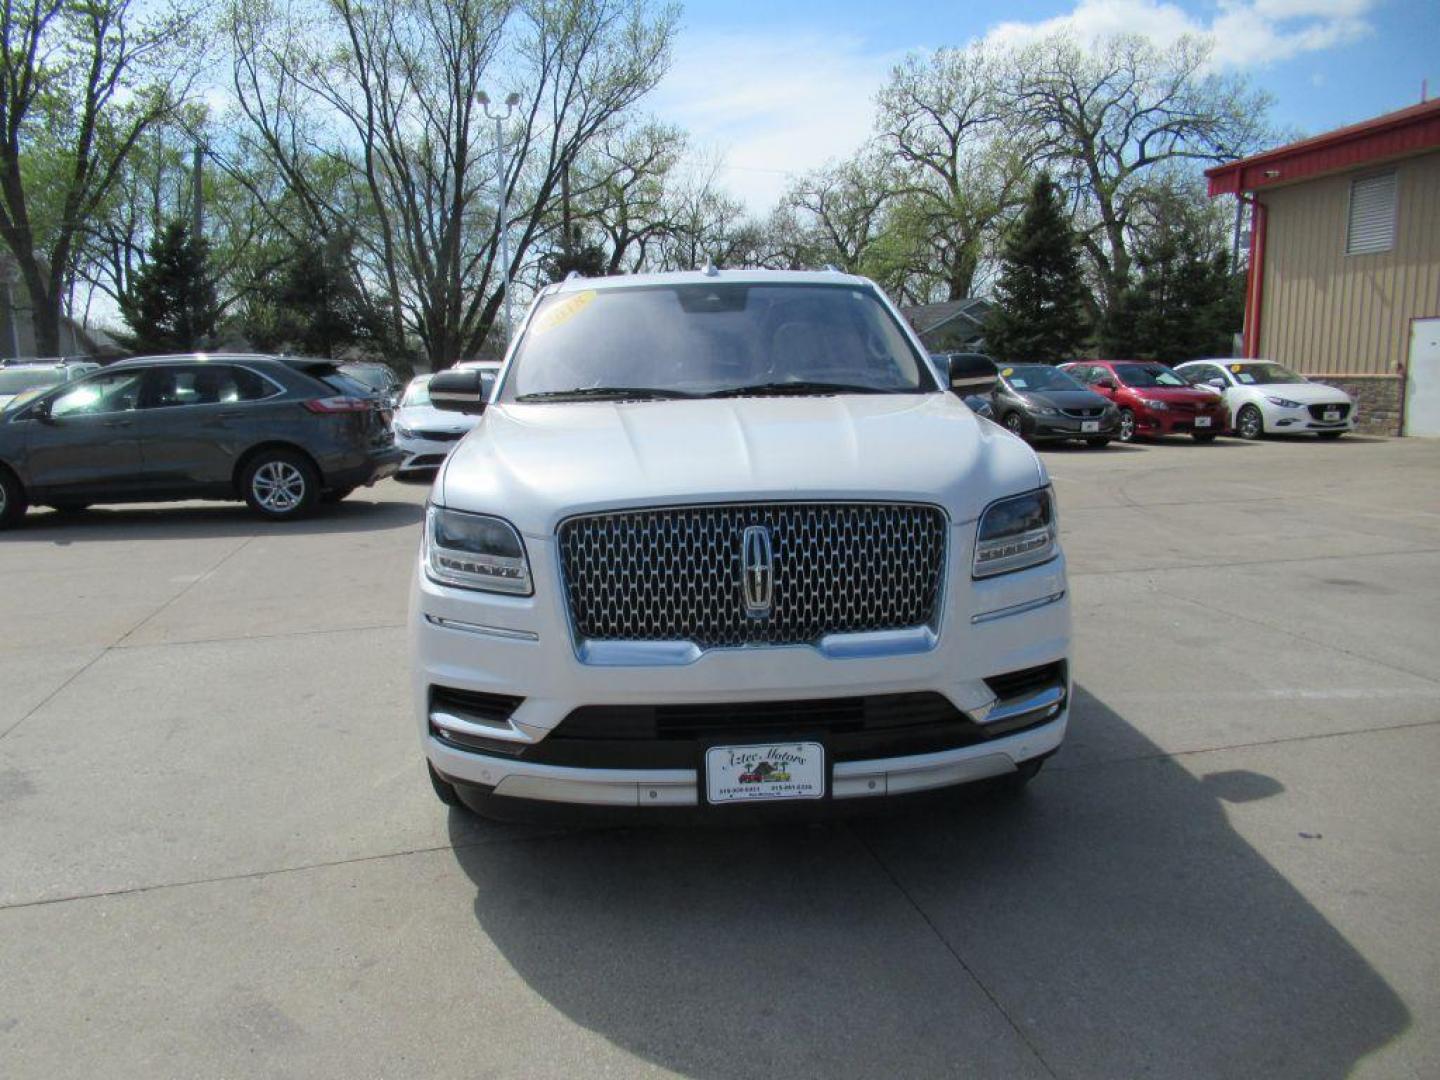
(1372, 215)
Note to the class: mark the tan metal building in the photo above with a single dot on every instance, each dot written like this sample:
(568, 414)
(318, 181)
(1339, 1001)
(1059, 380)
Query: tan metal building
(1345, 262)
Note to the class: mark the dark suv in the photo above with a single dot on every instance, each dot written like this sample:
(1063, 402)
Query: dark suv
(277, 432)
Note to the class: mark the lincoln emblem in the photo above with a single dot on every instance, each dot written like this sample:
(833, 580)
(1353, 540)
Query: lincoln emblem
(757, 571)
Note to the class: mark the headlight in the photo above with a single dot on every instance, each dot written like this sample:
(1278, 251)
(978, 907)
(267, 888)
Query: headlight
(1283, 402)
(1015, 533)
(1040, 409)
(404, 432)
(473, 551)
(1154, 403)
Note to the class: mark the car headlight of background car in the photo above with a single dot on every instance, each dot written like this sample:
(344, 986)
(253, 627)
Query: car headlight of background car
(1283, 402)
(1041, 409)
(1154, 403)
(474, 551)
(1015, 533)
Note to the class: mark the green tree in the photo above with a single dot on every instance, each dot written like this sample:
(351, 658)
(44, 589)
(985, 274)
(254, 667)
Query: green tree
(1186, 304)
(172, 306)
(1040, 297)
(313, 305)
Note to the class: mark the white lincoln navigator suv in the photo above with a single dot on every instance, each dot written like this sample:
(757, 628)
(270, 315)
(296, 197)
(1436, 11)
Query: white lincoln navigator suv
(722, 539)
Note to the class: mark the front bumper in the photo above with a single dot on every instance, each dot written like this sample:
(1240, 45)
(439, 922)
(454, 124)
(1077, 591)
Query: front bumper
(1070, 427)
(1156, 424)
(423, 455)
(522, 647)
(1282, 421)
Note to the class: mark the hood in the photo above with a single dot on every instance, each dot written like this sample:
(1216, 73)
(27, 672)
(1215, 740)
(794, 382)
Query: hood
(535, 464)
(1066, 399)
(1307, 393)
(429, 418)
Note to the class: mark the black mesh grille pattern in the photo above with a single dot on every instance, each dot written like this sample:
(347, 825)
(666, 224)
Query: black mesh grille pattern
(675, 574)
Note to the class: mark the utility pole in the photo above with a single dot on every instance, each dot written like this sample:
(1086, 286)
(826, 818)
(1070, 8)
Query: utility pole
(198, 228)
(502, 223)
(565, 210)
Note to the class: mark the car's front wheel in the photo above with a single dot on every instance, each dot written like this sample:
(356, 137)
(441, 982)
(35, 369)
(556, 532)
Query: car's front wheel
(280, 484)
(1249, 424)
(12, 499)
(1014, 424)
(1127, 426)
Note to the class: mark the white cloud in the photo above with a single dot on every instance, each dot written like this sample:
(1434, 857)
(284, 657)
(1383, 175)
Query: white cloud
(1245, 33)
(771, 105)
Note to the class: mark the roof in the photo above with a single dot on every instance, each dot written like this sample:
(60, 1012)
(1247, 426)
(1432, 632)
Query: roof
(1396, 134)
(701, 277)
(928, 317)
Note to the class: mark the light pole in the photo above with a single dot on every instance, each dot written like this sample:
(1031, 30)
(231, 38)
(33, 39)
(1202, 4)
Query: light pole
(501, 224)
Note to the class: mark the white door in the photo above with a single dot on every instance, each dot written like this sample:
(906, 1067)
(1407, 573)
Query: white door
(1422, 388)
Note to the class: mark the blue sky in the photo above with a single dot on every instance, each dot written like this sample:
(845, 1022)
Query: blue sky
(773, 88)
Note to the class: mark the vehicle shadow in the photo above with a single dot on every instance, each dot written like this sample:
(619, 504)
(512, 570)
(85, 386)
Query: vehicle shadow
(167, 521)
(1111, 911)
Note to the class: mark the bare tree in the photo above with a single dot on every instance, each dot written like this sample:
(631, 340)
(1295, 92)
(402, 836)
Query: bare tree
(1110, 118)
(80, 84)
(387, 91)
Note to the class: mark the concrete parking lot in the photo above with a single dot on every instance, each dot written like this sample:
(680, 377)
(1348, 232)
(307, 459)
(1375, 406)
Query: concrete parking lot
(219, 855)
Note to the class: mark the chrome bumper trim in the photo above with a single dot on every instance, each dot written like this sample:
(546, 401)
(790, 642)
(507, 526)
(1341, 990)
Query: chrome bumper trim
(1017, 609)
(862, 645)
(477, 628)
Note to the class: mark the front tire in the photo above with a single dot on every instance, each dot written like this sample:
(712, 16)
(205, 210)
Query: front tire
(12, 499)
(1249, 424)
(1127, 426)
(280, 485)
(1014, 424)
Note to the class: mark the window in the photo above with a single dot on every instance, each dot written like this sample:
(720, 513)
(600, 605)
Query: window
(1372, 215)
(116, 392)
(204, 384)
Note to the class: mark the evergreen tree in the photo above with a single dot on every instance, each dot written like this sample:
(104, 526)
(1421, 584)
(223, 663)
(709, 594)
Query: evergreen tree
(584, 255)
(1186, 304)
(172, 305)
(1040, 298)
(312, 304)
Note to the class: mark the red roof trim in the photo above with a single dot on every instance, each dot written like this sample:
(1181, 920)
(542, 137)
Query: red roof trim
(1396, 134)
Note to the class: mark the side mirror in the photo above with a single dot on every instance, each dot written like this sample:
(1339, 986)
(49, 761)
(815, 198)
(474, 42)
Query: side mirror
(1105, 384)
(1217, 382)
(458, 391)
(972, 374)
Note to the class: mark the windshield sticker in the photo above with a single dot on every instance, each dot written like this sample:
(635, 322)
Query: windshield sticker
(1008, 372)
(563, 312)
(1235, 368)
(1019, 384)
(1245, 377)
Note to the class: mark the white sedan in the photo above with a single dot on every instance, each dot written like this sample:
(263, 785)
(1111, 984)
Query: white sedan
(1266, 398)
(426, 434)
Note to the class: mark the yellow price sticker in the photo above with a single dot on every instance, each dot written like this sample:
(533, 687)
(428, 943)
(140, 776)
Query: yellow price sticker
(1235, 368)
(563, 312)
(1008, 372)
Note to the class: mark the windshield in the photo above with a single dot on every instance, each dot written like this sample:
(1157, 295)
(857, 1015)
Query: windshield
(375, 376)
(1146, 375)
(700, 339)
(1037, 377)
(417, 394)
(1264, 374)
(14, 380)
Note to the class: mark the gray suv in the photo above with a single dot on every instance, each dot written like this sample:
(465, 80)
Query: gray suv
(281, 433)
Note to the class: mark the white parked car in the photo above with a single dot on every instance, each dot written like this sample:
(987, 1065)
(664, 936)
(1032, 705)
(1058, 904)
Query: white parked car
(724, 539)
(425, 433)
(1266, 398)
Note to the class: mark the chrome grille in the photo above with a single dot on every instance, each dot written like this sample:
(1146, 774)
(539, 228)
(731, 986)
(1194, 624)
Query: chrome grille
(674, 574)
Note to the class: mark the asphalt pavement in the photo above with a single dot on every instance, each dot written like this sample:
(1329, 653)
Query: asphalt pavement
(219, 855)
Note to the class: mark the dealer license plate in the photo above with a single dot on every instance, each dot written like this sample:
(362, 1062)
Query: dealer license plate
(1089, 425)
(765, 771)
(1202, 421)
(1332, 414)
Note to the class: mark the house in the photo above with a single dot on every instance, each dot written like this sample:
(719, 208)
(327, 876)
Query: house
(1344, 280)
(951, 326)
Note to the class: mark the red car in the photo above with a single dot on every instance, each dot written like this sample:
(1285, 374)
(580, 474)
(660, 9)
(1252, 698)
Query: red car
(1152, 399)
